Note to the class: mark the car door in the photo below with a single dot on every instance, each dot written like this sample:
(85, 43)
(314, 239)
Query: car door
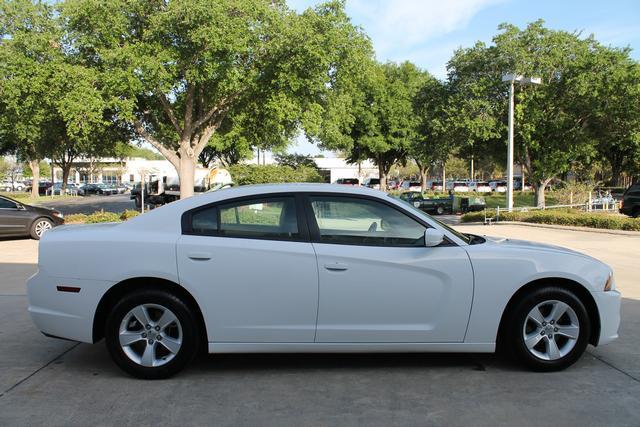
(378, 282)
(253, 268)
(13, 219)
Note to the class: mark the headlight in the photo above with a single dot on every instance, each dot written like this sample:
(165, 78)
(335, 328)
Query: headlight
(609, 285)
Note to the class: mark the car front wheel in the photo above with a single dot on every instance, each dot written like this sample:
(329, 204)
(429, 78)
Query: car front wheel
(152, 334)
(39, 227)
(548, 329)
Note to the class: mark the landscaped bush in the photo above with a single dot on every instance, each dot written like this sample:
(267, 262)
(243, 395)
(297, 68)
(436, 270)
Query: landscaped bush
(128, 214)
(265, 174)
(97, 217)
(563, 217)
(75, 219)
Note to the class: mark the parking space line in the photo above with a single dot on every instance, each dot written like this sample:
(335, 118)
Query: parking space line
(613, 366)
(39, 369)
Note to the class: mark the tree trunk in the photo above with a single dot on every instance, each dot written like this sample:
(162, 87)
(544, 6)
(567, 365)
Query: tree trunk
(187, 174)
(383, 176)
(423, 178)
(66, 169)
(616, 172)
(540, 187)
(35, 172)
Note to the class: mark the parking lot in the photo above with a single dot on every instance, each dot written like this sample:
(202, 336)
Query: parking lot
(90, 204)
(54, 382)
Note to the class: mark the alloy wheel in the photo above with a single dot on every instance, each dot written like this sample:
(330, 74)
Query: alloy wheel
(551, 330)
(41, 227)
(150, 335)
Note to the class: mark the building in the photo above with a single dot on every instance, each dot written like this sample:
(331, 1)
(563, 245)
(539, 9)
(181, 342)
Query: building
(131, 170)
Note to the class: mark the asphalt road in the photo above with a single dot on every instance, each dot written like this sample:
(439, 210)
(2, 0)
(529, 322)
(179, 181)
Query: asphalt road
(46, 381)
(90, 204)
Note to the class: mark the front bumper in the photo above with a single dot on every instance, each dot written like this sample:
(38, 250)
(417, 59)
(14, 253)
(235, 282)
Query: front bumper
(65, 314)
(609, 308)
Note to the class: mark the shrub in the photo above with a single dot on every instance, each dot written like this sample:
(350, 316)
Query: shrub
(128, 214)
(563, 217)
(97, 217)
(258, 174)
(75, 219)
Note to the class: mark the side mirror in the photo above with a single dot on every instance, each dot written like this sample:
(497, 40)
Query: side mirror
(433, 237)
(20, 207)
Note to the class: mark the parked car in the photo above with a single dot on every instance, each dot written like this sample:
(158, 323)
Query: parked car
(57, 189)
(122, 188)
(12, 186)
(408, 185)
(372, 183)
(18, 219)
(480, 187)
(360, 271)
(348, 181)
(393, 184)
(458, 186)
(631, 201)
(101, 189)
(436, 186)
(498, 186)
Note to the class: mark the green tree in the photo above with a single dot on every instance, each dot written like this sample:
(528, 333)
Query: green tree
(295, 160)
(551, 118)
(52, 105)
(434, 140)
(381, 123)
(190, 69)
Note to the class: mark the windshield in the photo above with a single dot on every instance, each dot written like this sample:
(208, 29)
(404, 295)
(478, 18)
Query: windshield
(465, 238)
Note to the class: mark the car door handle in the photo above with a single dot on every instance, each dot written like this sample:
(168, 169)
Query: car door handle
(199, 256)
(336, 266)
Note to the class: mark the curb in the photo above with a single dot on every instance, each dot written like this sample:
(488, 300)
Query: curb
(562, 227)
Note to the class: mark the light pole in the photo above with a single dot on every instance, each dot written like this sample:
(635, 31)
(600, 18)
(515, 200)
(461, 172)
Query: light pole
(512, 79)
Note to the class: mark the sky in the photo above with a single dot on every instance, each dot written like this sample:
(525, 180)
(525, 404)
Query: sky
(427, 32)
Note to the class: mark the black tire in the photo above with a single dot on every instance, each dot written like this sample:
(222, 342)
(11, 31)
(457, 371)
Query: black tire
(513, 338)
(37, 226)
(636, 212)
(439, 210)
(188, 322)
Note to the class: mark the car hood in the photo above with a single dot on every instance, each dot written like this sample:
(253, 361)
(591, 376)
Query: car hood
(41, 209)
(528, 245)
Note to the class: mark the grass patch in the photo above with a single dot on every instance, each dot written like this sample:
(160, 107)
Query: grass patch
(567, 217)
(28, 200)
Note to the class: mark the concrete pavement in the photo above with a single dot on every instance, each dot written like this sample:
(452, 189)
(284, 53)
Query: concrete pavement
(53, 382)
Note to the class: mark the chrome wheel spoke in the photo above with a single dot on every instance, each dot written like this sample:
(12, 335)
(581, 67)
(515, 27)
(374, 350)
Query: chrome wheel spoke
(558, 309)
(140, 313)
(166, 319)
(149, 356)
(171, 344)
(552, 349)
(533, 340)
(569, 331)
(536, 316)
(127, 338)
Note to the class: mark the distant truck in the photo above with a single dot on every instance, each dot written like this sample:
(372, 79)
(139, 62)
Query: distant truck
(444, 205)
(163, 189)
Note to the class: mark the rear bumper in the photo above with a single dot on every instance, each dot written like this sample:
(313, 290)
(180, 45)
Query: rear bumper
(64, 314)
(609, 310)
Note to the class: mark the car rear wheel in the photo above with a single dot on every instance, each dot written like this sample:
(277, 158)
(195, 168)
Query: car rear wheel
(548, 329)
(152, 334)
(39, 227)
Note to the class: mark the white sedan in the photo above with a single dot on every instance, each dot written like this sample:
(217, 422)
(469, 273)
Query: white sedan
(313, 268)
